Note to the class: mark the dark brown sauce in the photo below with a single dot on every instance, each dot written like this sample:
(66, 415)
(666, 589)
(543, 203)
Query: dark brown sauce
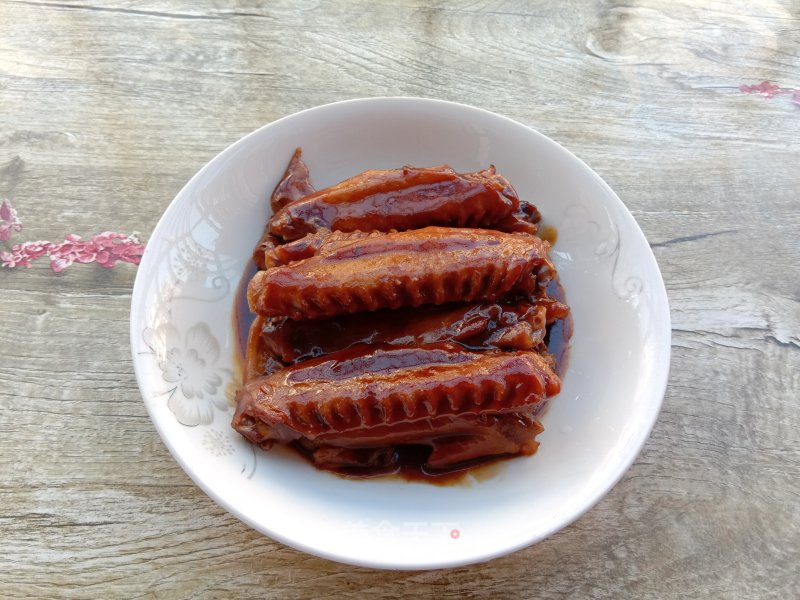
(560, 332)
(410, 467)
(242, 317)
(411, 458)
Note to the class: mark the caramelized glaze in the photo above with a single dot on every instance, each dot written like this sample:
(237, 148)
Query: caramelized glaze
(407, 198)
(443, 396)
(424, 351)
(434, 265)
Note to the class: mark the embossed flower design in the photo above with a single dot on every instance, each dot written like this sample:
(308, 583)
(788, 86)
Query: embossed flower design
(190, 261)
(217, 443)
(189, 362)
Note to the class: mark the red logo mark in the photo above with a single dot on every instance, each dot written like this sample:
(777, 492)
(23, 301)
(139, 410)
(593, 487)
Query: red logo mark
(455, 534)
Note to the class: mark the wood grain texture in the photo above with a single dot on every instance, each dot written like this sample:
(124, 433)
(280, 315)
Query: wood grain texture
(106, 109)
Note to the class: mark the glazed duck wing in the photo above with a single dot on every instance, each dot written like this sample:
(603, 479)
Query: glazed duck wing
(368, 397)
(518, 325)
(400, 199)
(434, 265)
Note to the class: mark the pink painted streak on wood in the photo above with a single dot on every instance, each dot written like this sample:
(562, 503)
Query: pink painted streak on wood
(106, 249)
(770, 90)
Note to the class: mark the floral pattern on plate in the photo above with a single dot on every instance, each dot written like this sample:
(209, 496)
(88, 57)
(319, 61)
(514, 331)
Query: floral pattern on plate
(190, 362)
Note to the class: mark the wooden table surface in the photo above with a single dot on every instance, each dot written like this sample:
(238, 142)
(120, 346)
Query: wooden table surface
(106, 109)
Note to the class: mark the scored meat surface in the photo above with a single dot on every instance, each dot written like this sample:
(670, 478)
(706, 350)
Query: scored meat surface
(375, 397)
(434, 265)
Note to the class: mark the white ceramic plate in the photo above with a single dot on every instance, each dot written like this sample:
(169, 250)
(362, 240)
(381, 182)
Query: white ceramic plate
(184, 344)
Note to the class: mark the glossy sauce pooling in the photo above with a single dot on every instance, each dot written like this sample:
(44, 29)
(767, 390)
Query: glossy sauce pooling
(409, 463)
(421, 352)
